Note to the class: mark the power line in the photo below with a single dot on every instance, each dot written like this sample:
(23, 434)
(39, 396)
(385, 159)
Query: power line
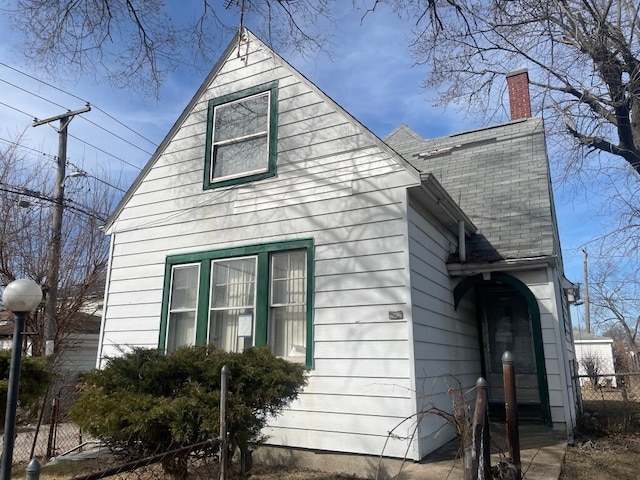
(126, 126)
(86, 119)
(32, 93)
(68, 204)
(18, 110)
(116, 135)
(83, 173)
(106, 153)
(24, 147)
(79, 139)
(81, 99)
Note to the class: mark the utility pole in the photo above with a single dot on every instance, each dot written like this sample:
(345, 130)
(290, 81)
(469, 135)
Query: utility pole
(55, 247)
(587, 318)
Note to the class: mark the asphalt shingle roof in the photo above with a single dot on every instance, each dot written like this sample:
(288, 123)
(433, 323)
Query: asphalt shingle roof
(499, 176)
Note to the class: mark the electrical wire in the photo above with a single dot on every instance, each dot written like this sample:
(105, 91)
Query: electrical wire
(24, 147)
(119, 137)
(81, 99)
(105, 152)
(18, 110)
(32, 93)
(80, 140)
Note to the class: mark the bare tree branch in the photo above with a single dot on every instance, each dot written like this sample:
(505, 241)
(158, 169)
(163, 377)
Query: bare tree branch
(25, 234)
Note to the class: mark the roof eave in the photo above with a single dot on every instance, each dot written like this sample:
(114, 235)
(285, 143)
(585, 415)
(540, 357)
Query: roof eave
(517, 264)
(431, 194)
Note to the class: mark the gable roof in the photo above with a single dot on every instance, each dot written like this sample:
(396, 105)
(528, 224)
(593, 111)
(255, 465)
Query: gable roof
(233, 46)
(499, 176)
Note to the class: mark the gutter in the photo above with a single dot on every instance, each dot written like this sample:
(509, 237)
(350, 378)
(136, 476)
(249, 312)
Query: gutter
(471, 269)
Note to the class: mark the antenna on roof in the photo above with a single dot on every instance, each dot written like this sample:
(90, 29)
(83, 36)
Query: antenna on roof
(241, 34)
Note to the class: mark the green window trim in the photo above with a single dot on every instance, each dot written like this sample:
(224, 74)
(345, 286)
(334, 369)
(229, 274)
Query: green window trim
(272, 136)
(262, 252)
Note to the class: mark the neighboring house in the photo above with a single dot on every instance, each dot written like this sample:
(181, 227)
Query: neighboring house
(78, 349)
(594, 355)
(6, 330)
(269, 215)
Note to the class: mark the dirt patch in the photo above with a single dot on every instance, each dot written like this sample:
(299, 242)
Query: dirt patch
(603, 459)
(286, 473)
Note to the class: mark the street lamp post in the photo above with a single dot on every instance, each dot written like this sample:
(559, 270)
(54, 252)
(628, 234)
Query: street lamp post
(20, 296)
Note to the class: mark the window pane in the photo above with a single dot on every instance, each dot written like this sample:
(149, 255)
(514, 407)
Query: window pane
(232, 330)
(237, 158)
(232, 303)
(182, 306)
(288, 332)
(288, 278)
(181, 330)
(184, 287)
(288, 314)
(233, 283)
(241, 118)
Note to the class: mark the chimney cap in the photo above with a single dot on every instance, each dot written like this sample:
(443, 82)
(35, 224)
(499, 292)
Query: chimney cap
(517, 72)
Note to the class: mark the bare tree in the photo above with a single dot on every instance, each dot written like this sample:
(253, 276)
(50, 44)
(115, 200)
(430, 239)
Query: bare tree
(583, 58)
(592, 364)
(614, 294)
(25, 235)
(136, 43)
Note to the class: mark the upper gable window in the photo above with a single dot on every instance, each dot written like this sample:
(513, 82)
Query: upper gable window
(241, 137)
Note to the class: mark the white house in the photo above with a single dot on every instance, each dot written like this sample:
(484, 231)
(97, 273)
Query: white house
(594, 351)
(269, 215)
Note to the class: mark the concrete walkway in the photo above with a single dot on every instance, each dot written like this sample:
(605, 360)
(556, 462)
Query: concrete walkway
(542, 454)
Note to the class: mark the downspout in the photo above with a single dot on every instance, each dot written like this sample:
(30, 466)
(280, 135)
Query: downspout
(462, 245)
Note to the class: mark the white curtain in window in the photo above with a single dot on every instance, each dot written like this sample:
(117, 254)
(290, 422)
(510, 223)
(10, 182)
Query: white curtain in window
(288, 304)
(182, 308)
(232, 303)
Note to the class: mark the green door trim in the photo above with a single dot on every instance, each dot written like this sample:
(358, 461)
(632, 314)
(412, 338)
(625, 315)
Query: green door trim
(471, 282)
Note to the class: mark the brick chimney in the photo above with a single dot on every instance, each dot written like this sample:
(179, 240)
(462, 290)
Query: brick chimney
(519, 100)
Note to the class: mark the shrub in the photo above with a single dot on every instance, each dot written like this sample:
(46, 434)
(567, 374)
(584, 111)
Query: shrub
(145, 401)
(35, 378)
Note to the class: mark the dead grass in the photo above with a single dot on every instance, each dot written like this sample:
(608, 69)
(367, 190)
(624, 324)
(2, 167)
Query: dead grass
(610, 443)
(603, 459)
(67, 470)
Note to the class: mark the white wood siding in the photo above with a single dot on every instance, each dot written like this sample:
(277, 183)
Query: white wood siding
(335, 184)
(445, 341)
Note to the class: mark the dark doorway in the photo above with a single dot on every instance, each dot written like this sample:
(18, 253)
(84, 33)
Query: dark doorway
(506, 326)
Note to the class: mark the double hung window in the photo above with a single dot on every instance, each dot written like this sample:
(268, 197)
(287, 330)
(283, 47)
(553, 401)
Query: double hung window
(181, 322)
(241, 137)
(242, 297)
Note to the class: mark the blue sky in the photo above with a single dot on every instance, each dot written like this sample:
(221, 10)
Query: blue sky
(370, 73)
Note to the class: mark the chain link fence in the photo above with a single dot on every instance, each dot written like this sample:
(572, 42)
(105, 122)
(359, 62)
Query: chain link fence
(52, 432)
(610, 402)
(54, 439)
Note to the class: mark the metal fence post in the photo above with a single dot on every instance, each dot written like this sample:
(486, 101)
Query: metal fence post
(33, 470)
(481, 452)
(224, 379)
(511, 407)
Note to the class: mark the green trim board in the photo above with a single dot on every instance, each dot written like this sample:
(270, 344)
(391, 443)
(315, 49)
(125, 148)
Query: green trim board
(262, 252)
(272, 136)
(471, 282)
